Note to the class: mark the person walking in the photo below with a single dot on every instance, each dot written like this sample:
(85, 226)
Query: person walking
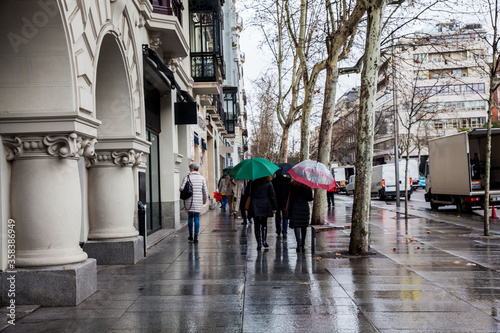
(262, 206)
(241, 198)
(330, 197)
(298, 211)
(281, 185)
(230, 189)
(222, 186)
(194, 204)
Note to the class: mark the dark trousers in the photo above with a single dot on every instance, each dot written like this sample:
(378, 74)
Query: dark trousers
(243, 211)
(281, 223)
(330, 198)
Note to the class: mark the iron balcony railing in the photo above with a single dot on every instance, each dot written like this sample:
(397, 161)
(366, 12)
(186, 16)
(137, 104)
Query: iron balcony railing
(168, 7)
(219, 107)
(205, 67)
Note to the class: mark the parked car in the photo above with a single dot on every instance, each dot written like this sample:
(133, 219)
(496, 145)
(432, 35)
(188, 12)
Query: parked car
(421, 181)
(350, 186)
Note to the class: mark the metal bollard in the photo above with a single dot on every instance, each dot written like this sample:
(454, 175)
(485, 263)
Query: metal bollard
(141, 213)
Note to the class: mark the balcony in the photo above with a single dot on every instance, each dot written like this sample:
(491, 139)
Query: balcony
(206, 73)
(168, 7)
(207, 64)
(165, 28)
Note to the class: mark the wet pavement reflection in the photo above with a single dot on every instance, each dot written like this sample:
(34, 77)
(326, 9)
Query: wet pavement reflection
(425, 273)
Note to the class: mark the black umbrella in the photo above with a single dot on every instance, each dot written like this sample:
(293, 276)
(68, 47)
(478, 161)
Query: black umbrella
(284, 168)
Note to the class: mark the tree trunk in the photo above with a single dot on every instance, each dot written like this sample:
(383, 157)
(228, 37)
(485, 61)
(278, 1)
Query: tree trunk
(493, 87)
(309, 86)
(359, 242)
(488, 164)
(407, 161)
(325, 136)
(284, 144)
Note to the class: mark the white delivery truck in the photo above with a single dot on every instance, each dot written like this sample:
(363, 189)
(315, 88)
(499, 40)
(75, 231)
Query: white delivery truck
(384, 181)
(342, 174)
(456, 170)
(412, 170)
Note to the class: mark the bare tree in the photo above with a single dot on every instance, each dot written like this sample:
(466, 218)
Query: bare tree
(342, 21)
(359, 243)
(264, 142)
(494, 79)
(270, 19)
(303, 29)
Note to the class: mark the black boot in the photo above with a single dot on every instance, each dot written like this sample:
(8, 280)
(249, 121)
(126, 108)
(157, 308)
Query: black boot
(264, 236)
(303, 238)
(190, 238)
(296, 231)
(257, 237)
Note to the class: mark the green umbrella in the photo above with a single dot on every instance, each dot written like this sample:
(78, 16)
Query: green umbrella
(253, 168)
(226, 170)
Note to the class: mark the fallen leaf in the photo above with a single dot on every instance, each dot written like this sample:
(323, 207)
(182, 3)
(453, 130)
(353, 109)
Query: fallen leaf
(317, 258)
(175, 235)
(471, 264)
(428, 231)
(303, 282)
(337, 254)
(200, 257)
(418, 247)
(456, 262)
(411, 240)
(394, 249)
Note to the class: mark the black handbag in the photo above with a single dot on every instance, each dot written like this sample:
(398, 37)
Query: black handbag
(187, 191)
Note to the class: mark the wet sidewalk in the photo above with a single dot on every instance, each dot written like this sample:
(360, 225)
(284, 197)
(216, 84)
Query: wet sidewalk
(425, 274)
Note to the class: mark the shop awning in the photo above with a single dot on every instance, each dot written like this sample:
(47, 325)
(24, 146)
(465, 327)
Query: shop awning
(161, 69)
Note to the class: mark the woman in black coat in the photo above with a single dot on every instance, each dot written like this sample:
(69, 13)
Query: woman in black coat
(262, 205)
(298, 211)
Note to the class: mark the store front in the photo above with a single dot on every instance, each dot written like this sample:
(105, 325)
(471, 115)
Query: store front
(153, 129)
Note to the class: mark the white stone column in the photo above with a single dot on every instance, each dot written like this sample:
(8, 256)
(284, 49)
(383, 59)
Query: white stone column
(112, 198)
(45, 197)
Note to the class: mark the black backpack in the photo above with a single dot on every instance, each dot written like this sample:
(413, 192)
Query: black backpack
(187, 191)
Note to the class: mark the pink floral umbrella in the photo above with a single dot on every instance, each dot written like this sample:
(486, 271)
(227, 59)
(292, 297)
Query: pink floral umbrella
(313, 174)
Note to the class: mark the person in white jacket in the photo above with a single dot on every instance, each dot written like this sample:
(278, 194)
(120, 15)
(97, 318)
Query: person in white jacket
(194, 204)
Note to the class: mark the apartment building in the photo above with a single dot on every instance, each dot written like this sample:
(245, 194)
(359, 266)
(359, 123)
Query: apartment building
(439, 84)
(105, 103)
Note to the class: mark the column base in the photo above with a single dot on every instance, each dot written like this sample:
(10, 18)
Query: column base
(67, 285)
(124, 251)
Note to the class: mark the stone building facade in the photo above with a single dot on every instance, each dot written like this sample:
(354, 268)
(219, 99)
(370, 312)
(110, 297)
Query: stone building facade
(103, 103)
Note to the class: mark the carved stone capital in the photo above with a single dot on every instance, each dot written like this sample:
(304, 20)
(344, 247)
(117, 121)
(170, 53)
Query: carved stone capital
(87, 150)
(13, 147)
(66, 146)
(59, 146)
(138, 158)
(124, 158)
